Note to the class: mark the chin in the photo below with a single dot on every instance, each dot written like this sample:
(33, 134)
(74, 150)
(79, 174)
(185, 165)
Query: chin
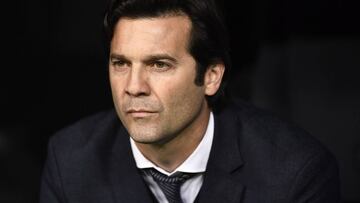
(144, 138)
(147, 138)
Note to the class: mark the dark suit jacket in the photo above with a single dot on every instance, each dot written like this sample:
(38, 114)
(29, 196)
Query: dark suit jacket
(255, 158)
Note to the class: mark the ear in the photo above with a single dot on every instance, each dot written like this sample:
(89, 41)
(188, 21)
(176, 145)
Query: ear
(213, 77)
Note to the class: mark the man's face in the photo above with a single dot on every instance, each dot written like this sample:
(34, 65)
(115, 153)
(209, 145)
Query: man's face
(152, 78)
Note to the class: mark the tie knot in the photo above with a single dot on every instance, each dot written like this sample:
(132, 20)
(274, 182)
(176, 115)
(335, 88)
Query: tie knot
(170, 185)
(177, 178)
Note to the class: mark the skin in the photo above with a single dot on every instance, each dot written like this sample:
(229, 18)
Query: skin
(152, 80)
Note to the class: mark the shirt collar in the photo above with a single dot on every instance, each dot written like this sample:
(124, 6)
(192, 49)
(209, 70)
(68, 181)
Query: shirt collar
(195, 163)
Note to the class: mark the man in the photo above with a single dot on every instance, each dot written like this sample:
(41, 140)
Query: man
(172, 138)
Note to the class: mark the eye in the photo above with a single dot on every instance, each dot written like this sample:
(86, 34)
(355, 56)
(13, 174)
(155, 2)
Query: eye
(160, 65)
(119, 64)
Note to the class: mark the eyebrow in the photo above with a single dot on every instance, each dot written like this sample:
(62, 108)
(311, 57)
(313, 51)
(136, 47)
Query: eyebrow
(119, 57)
(148, 59)
(158, 57)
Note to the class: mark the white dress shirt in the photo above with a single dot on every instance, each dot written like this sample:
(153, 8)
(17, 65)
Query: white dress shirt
(195, 163)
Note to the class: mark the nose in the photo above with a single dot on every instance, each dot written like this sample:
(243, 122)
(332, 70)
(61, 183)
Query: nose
(137, 82)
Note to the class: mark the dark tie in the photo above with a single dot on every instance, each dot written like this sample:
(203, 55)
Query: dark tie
(170, 185)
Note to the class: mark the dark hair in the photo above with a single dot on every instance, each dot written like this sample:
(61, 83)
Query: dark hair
(208, 42)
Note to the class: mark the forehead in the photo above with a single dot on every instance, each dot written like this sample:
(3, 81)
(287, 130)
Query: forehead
(166, 33)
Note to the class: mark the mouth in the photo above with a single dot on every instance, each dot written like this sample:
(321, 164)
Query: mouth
(140, 113)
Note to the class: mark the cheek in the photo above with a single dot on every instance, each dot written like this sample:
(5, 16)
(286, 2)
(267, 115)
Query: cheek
(117, 89)
(181, 97)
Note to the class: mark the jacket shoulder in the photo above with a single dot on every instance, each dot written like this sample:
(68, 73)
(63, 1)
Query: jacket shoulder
(273, 131)
(85, 131)
(280, 155)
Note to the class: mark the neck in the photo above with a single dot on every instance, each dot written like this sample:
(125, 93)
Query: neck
(173, 153)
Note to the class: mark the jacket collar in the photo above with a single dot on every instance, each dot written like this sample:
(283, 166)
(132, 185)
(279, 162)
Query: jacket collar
(221, 184)
(125, 178)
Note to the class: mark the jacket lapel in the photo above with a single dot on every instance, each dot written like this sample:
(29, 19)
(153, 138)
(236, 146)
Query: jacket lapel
(126, 181)
(221, 182)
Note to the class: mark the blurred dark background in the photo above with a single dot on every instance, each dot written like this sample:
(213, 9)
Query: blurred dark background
(298, 59)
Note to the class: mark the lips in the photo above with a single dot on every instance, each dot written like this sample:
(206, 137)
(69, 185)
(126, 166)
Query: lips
(139, 110)
(139, 113)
